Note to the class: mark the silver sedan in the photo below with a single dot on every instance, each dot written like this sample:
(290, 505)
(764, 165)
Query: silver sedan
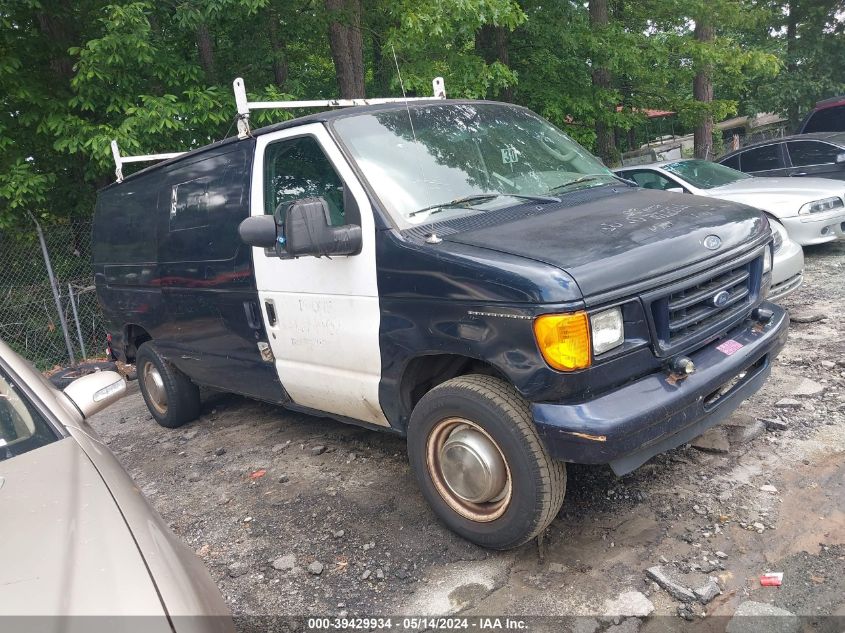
(79, 538)
(811, 209)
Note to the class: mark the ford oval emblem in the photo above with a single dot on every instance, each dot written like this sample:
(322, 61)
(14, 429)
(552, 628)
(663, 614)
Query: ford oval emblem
(712, 242)
(720, 299)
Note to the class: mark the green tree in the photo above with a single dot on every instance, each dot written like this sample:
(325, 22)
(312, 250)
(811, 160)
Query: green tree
(157, 76)
(808, 37)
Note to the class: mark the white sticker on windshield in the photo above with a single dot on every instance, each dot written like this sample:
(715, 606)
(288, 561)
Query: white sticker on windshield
(510, 155)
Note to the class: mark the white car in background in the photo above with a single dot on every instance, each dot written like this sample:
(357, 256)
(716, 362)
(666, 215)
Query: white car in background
(811, 209)
(787, 263)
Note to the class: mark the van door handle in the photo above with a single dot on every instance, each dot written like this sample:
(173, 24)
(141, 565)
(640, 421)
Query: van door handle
(252, 318)
(271, 313)
(799, 173)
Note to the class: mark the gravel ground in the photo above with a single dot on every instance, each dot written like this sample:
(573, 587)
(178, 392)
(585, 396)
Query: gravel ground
(301, 515)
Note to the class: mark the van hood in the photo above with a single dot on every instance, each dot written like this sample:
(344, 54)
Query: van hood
(779, 196)
(616, 241)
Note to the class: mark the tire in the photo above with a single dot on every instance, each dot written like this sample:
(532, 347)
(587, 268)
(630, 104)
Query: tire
(64, 377)
(488, 410)
(171, 397)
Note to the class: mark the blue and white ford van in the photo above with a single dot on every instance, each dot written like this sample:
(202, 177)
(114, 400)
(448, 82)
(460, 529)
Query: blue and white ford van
(458, 272)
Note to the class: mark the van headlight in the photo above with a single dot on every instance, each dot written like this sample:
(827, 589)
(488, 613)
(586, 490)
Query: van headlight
(825, 204)
(608, 330)
(767, 260)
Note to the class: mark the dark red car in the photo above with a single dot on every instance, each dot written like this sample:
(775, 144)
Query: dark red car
(827, 116)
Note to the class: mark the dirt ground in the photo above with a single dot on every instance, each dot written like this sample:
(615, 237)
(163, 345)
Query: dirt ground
(355, 509)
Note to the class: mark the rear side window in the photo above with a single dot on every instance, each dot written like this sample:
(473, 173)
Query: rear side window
(762, 158)
(732, 162)
(806, 153)
(125, 223)
(827, 120)
(190, 202)
(201, 205)
(195, 201)
(22, 428)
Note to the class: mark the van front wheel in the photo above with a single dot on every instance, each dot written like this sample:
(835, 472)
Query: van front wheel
(475, 452)
(171, 397)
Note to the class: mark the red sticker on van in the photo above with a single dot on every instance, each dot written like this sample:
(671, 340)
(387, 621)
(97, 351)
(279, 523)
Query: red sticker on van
(730, 347)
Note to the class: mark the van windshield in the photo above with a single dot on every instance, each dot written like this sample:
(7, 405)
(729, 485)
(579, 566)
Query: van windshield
(461, 159)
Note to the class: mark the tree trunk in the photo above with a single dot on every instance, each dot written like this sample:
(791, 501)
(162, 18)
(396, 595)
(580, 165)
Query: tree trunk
(702, 90)
(791, 62)
(205, 45)
(605, 145)
(347, 46)
(57, 24)
(277, 45)
(491, 42)
(632, 139)
(382, 69)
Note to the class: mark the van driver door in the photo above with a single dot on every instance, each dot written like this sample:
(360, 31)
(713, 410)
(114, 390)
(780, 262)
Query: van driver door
(321, 314)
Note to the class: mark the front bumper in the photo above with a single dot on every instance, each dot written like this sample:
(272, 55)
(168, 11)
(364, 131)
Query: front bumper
(815, 228)
(627, 427)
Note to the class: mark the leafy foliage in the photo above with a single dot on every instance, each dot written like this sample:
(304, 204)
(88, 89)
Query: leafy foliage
(156, 75)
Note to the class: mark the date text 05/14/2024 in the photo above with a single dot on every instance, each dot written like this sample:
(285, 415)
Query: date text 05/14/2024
(417, 623)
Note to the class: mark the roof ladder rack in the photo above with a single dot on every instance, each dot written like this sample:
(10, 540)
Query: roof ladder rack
(120, 160)
(244, 106)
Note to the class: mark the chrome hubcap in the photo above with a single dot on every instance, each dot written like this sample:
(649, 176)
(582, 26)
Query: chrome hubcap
(155, 388)
(472, 466)
(468, 469)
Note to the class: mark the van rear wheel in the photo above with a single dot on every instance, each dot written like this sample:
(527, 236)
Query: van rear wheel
(476, 455)
(171, 397)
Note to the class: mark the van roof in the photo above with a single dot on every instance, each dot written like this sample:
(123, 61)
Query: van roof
(318, 117)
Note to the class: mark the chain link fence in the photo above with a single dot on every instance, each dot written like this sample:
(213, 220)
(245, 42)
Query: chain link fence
(54, 322)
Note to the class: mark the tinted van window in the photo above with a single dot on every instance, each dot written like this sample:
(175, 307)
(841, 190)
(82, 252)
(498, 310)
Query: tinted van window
(805, 153)
(762, 158)
(827, 120)
(125, 226)
(202, 204)
(190, 202)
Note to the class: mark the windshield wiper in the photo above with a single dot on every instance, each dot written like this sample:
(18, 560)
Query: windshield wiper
(587, 178)
(481, 197)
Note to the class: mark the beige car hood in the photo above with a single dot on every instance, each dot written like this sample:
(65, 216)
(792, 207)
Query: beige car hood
(66, 549)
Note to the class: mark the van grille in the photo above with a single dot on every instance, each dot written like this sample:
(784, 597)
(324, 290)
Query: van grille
(701, 306)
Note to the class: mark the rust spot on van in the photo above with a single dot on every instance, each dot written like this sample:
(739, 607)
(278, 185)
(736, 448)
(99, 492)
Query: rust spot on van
(587, 436)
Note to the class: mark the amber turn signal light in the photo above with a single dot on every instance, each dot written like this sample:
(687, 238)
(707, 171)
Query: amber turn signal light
(564, 340)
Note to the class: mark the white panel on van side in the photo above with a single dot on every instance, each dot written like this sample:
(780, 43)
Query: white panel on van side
(326, 335)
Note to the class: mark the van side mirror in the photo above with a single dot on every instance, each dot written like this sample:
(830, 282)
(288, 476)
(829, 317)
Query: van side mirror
(840, 159)
(258, 230)
(307, 231)
(94, 392)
